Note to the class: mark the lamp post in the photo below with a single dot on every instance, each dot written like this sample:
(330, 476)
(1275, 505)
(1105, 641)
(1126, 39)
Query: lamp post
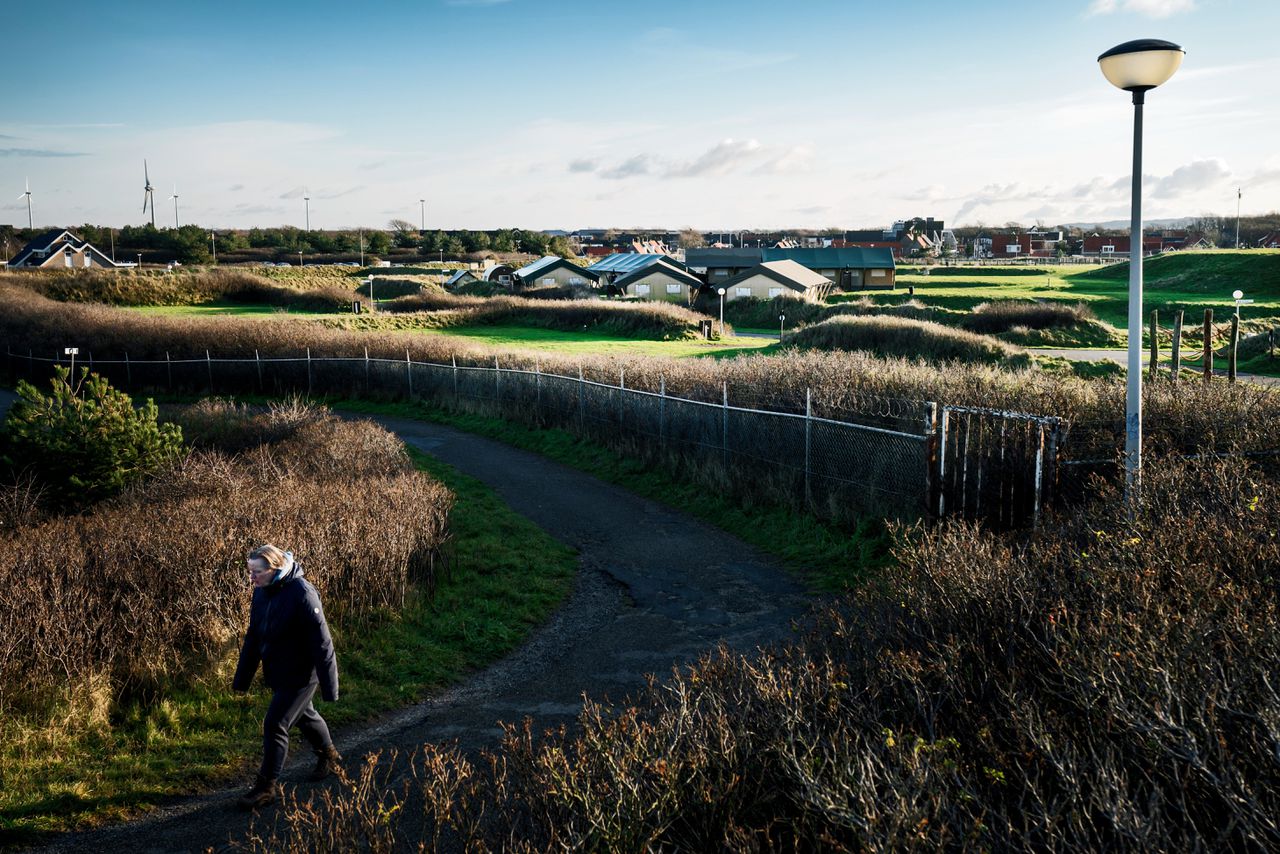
(213, 242)
(720, 291)
(423, 204)
(1238, 298)
(1137, 66)
(782, 321)
(139, 260)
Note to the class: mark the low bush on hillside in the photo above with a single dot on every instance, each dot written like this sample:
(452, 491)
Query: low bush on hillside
(1106, 683)
(990, 318)
(906, 338)
(182, 287)
(148, 590)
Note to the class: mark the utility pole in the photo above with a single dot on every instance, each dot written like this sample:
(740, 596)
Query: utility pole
(1237, 217)
(423, 228)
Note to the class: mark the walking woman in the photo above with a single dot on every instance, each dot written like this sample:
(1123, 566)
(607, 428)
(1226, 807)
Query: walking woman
(288, 634)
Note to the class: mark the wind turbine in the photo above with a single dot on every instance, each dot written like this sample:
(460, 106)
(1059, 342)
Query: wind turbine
(175, 206)
(306, 197)
(30, 227)
(148, 194)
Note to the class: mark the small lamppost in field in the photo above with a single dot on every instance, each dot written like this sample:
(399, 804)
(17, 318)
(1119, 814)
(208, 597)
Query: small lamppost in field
(782, 320)
(720, 291)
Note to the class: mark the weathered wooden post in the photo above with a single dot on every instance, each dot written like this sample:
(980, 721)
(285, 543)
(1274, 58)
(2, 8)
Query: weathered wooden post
(1155, 344)
(930, 457)
(1235, 342)
(1208, 344)
(1177, 346)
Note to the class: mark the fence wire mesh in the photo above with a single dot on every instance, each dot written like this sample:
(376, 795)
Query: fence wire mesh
(837, 468)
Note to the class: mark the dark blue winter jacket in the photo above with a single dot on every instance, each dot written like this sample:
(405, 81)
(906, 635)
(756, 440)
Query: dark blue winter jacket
(288, 634)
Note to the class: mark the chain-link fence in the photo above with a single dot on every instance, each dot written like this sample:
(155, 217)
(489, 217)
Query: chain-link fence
(838, 469)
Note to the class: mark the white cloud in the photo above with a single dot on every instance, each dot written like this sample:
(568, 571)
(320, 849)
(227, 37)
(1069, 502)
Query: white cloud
(1149, 8)
(584, 164)
(632, 166)
(1189, 179)
(720, 159)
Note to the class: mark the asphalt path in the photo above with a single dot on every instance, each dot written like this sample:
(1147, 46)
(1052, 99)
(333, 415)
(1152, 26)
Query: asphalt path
(655, 589)
(1121, 357)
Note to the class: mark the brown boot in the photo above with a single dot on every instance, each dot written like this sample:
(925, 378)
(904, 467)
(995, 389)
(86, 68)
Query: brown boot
(263, 792)
(326, 763)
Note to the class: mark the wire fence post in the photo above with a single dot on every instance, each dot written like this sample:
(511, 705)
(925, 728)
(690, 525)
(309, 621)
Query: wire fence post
(208, 363)
(622, 391)
(497, 382)
(454, 359)
(1175, 365)
(662, 412)
(408, 371)
(366, 370)
(1231, 353)
(582, 410)
(308, 372)
(168, 368)
(808, 445)
(257, 361)
(1039, 471)
(128, 372)
(1208, 344)
(724, 429)
(537, 392)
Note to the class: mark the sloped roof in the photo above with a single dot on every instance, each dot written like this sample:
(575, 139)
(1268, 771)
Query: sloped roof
(660, 266)
(42, 242)
(458, 276)
(627, 262)
(785, 272)
(847, 258)
(547, 263)
(722, 257)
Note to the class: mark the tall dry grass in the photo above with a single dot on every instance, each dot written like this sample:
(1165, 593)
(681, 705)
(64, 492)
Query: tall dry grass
(149, 589)
(1107, 685)
(1187, 416)
(991, 318)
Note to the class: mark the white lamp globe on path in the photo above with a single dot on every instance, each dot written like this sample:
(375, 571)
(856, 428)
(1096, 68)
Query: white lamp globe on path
(1136, 67)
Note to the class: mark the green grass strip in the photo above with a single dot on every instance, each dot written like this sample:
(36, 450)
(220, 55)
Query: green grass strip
(506, 576)
(830, 558)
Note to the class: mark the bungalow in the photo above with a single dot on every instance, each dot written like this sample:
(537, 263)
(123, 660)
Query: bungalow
(770, 279)
(60, 249)
(621, 264)
(850, 268)
(662, 279)
(1104, 247)
(460, 278)
(500, 274)
(554, 271)
(1271, 241)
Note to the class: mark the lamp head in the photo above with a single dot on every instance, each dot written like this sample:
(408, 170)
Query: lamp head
(720, 291)
(1237, 294)
(1142, 64)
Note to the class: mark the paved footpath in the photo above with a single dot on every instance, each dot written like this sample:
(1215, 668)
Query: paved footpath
(655, 589)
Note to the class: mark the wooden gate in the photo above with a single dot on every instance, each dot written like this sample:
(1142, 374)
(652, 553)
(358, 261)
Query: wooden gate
(995, 466)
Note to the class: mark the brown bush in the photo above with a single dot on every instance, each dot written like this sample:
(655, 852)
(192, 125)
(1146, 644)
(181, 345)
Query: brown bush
(1003, 315)
(149, 589)
(906, 338)
(1105, 685)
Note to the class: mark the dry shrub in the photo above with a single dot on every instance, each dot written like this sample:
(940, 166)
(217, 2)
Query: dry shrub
(1105, 685)
(906, 338)
(843, 385)
(991, 318)
(662, 319)
(149, 589)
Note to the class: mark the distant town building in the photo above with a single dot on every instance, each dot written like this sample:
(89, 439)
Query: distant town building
(554, 271)
(60, 249)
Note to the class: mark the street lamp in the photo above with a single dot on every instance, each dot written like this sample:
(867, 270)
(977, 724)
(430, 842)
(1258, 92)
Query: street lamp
(720, 291)
(1135, 67)
(1238, 298)
(782, 320)
(213, 241)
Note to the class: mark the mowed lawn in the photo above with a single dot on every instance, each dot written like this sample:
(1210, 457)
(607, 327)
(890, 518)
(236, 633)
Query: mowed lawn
(1191, 281)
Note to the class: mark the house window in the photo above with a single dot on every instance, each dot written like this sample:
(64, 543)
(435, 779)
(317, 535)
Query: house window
(506, 280)
(877, 274)
(720, 273)
(1108, 249)
(775, 292)
(642, 290)
(549, 280)
(742, 292)
(575, 280)
(1013, 248)
(673, 289)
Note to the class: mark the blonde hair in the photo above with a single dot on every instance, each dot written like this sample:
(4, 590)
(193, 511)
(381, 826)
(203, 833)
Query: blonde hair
(270, 555)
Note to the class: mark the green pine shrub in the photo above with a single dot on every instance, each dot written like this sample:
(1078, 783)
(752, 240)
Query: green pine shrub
(85, 442)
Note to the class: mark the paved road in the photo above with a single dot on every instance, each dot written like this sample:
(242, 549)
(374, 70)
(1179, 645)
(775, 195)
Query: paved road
(655, 589)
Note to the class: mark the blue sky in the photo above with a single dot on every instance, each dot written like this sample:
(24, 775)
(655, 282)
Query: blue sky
(716, 115)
